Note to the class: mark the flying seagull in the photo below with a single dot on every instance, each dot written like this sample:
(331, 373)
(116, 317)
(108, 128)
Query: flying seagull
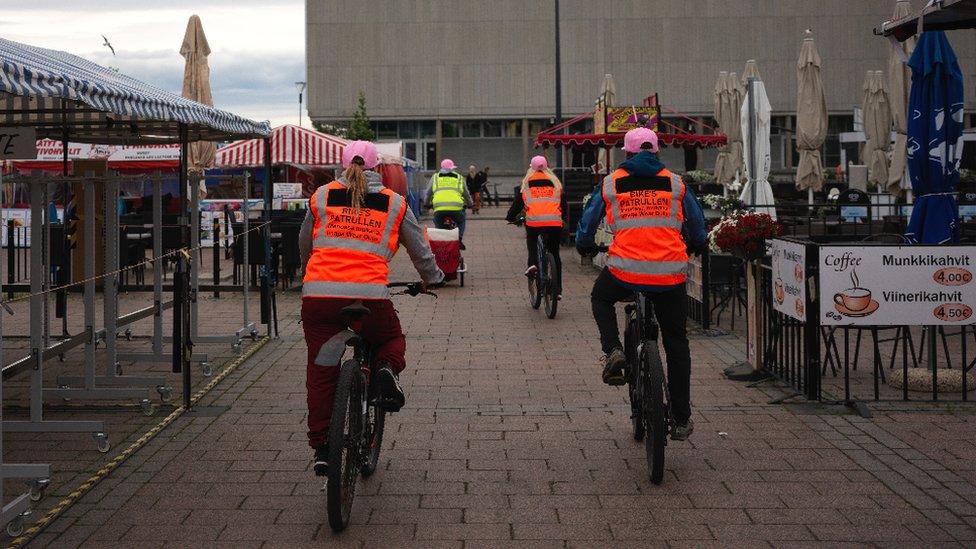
(108, 44)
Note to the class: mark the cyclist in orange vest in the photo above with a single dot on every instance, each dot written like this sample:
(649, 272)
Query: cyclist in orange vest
(541, 197)
(648, 209)
(352, 230)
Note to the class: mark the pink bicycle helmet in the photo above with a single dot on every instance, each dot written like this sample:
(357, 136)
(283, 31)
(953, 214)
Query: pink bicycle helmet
(539, 163)
(365, 150)
(636, 137)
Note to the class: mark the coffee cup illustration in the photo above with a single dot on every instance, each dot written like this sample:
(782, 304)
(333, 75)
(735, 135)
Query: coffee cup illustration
(854, 299)
(780, 291)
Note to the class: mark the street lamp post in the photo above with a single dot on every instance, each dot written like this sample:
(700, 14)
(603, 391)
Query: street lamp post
(559, 88)
(300, 86)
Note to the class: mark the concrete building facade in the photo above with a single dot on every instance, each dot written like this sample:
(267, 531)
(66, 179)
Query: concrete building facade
(474, 79)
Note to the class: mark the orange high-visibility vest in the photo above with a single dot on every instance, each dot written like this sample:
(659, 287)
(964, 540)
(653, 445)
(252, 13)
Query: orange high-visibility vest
(351, 249)
(542, 202)
(645, 215)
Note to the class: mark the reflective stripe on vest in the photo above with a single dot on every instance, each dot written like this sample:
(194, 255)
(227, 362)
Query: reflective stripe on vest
(351, 249)
(646, 220)
(448, 193)
(647, 267)
(352, 290)
(542, 211)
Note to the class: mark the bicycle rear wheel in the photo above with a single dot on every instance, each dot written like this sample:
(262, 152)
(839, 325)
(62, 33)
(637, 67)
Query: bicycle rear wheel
(654, 412)
(345, 444)
(551, 286)
(373, 441)
(634, 391)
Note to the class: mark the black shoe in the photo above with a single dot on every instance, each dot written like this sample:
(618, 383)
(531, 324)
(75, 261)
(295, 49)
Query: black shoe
(614, 365)
(463, 247)
(682, 431)
(320, 463)
(391, 395)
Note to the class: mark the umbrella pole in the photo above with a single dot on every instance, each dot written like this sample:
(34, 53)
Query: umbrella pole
(753, 161)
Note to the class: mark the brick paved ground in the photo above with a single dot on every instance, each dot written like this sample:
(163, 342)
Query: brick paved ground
(510, 439)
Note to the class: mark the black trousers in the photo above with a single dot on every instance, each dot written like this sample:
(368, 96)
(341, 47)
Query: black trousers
(671, 311)
(551, 237)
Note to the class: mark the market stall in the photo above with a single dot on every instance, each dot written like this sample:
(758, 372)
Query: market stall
(305, 156)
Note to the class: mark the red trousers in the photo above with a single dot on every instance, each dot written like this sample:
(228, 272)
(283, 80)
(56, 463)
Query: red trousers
(321, 320)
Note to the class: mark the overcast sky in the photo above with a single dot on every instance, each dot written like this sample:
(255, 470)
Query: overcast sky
(258, 45)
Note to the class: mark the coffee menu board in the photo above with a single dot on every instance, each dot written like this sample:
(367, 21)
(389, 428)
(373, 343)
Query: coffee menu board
(788, 260)
(897, 285)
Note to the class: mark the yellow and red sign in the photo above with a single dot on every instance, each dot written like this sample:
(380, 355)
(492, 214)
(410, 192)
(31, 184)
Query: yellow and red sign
(624, 119)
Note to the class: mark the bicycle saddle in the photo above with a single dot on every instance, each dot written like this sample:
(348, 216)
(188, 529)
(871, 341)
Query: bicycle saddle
(355, 311)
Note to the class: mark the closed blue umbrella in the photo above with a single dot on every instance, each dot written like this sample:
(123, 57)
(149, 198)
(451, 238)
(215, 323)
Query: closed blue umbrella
(935, 126)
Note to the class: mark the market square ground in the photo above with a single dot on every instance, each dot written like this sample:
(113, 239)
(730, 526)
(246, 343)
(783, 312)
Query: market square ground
(509, 439)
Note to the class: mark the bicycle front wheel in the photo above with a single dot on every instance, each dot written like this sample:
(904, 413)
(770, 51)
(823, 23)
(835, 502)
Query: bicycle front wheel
(654, 412)
(345, 443)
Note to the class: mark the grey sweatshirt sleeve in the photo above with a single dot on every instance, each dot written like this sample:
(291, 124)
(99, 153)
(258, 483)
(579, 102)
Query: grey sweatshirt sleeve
(429, 193)
(412, 238)
(305, 239)
(467, 196)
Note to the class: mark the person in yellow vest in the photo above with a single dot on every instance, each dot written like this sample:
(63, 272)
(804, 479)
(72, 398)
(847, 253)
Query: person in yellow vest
(649, 210)
(352, 230)
(541, 198)
(448, 195)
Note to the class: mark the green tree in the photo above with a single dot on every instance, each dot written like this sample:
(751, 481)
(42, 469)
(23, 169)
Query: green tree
(338, 129)
(360, 127)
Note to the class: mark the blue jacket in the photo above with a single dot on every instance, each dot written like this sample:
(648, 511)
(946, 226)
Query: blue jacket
(645, 164)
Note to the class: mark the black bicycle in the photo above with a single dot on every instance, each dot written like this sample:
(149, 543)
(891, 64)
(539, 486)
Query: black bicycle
(544, 283)
(650, 412)
(356, 433)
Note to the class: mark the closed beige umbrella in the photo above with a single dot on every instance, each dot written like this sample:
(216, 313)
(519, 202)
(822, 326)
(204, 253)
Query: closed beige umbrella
(877, 128)
(722, 162)
(737, 95)
(196, 86)
(608, 93)
(899, 89)
(751, 71)
(811, 117)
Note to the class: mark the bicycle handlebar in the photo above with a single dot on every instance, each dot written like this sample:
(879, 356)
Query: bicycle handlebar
(413, 289)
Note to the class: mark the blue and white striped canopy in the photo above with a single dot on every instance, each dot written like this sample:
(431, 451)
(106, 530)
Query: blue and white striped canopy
(33, 81)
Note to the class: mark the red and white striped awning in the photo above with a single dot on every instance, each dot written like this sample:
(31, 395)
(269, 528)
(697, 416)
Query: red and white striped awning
(289, 145)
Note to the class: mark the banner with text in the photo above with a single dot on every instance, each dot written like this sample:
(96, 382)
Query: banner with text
(789, 261)
(897, 285)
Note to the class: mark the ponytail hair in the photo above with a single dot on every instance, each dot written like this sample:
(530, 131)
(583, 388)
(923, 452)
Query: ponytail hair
(356, 183)
(549, 173)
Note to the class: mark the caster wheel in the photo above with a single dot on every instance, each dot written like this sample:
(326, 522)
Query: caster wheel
(118, 368)
(101, 442)
(61, 358)
(254, 335)
(165, 393)
(37, 488)
(15, 527)
(147, 407)
(236, 347)
(208, 368)
(128, 334)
